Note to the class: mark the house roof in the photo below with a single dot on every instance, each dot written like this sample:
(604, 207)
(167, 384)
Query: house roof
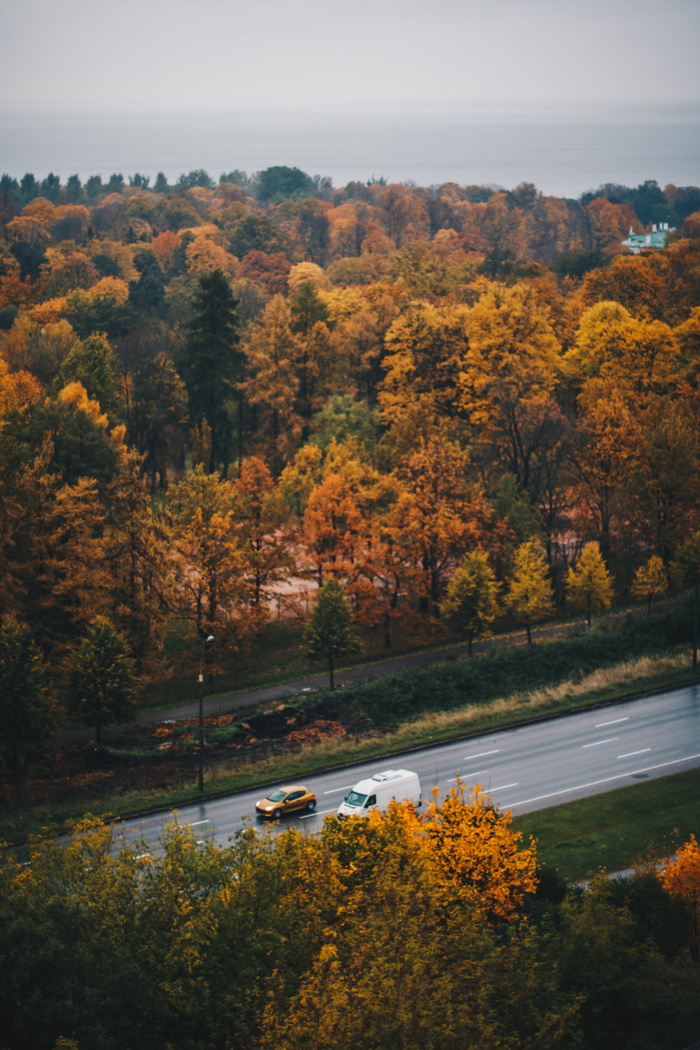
(655, 239)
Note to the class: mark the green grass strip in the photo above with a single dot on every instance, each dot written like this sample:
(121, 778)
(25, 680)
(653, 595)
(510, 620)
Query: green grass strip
(618, 829)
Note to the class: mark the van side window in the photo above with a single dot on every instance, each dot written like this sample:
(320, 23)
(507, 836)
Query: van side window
(371, 801)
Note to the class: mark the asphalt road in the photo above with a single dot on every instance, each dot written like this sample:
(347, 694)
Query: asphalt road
(524, 768)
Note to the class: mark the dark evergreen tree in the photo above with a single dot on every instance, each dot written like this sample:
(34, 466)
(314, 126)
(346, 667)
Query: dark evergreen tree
(198, 177)
(281, 182)
(161, 184)
(74, 188)
(212, 364)
(330, 632)
(51, 187)
(26, 713)
(29, 188)
(115, 184)
(103, 682)
(9, 198)
(94, 188)
(147, 295)
(307, 308)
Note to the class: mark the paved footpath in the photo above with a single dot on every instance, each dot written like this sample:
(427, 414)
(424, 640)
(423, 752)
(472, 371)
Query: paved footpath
(223, 703)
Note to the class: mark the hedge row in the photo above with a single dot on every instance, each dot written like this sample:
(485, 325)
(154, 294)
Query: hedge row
(400, 697)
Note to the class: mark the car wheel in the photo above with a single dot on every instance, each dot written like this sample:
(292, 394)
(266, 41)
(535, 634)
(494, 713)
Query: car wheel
(276, 814)
(311, 805)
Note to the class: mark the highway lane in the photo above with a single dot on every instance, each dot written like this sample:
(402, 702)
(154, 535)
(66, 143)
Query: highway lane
(524, 768)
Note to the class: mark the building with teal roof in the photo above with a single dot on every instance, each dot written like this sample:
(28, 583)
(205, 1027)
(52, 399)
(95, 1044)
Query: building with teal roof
(648, 242)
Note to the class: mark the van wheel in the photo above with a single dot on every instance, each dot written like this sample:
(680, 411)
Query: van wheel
(311, 805)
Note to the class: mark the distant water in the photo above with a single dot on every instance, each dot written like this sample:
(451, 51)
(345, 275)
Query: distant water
(563, 152)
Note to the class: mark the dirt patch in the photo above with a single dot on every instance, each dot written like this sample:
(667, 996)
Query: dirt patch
(316, 733)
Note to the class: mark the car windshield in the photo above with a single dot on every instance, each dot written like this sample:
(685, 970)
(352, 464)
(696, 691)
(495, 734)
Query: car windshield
(355, 799)
(276, 796)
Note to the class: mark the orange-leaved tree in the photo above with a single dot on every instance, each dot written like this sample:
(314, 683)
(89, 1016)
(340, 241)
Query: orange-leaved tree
(680, 875)
(476, 852)
(262, 526)
(473, 852)
(440, 513)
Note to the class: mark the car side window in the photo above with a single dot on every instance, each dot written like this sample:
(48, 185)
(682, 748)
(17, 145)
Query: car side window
(371, 801)
(294, 795)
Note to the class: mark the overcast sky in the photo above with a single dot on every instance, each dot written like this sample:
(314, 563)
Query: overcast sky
(241, 55)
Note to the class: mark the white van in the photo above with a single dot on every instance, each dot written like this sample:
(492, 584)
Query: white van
(377, 792)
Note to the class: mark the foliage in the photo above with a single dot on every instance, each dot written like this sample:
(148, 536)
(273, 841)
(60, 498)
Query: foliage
(530, 590)
(588, 583)
(471, 598)
(103, 684)
(329, 631)
(407, 374)
(26, 708)
(281, 182)
(211, 363)
(477, 853)
(501, 672)
(650, 581)
(680, 876)
(358, 936)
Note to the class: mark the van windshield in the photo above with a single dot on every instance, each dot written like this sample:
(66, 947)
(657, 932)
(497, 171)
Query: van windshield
(355, 799)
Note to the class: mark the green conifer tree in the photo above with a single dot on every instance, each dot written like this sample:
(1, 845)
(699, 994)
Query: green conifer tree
(329, 631)
(26, 715)
(212, 364)
(103, 681)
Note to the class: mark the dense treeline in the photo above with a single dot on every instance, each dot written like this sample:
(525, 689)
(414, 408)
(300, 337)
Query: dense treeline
(455, 401)
(432, 930)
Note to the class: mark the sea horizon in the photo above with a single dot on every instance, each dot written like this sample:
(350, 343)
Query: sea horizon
(565, 149)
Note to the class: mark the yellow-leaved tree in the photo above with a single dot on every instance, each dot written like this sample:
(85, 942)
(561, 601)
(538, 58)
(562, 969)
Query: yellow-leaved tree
(530, 589)
(476, 852)
(650, 581)
(588, 583)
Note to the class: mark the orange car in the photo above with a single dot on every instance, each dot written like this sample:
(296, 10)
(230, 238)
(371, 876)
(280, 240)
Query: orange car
(286, 800)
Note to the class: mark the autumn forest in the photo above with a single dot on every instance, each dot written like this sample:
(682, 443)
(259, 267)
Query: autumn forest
(381, 414)
(215, 397)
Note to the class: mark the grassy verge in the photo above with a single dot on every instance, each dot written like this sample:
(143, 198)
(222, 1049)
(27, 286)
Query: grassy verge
(638, 676)
(618, 829)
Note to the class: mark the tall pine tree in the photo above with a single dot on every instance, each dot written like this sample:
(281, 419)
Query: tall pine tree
(212, 364)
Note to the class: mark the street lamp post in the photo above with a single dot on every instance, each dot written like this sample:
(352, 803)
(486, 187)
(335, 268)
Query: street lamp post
(200, 687)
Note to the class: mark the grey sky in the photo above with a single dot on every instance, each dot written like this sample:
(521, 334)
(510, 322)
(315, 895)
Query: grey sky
(228, 55)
